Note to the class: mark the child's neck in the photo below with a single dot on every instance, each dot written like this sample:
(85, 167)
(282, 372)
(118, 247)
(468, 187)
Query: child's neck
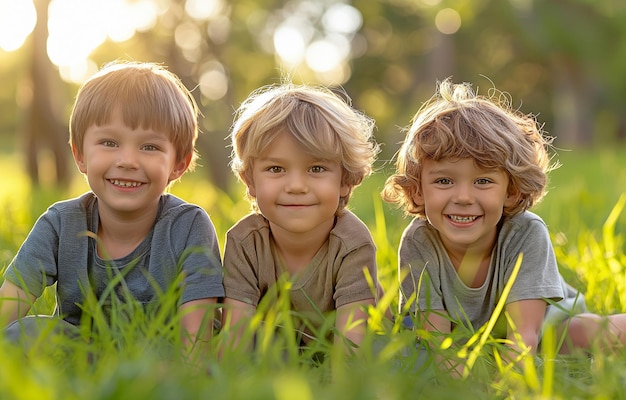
(473, 269)
(295, 263)
(472, 266)
(118, 237)
(297, 253)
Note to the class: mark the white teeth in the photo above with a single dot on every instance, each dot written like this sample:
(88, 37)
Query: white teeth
(460, 219)
(124, 183)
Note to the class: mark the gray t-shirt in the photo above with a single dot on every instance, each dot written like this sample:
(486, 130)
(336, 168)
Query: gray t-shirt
(58, 250)
(421, 250)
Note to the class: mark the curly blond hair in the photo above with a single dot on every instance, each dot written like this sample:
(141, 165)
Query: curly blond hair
(457, 123)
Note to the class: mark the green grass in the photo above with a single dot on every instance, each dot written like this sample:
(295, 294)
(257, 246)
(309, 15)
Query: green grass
(141, 357)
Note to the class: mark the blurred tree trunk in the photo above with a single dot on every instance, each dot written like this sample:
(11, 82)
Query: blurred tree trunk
(572, 105)
(442, 59)
(43, 129)
(211, 148)
(211, 144)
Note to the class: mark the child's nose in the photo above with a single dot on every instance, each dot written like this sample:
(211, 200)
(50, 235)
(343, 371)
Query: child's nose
(296, 183)
(127, 158)
(463, 194)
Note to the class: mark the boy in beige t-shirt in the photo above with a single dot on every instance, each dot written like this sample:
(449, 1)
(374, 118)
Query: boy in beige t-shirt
(300, 150)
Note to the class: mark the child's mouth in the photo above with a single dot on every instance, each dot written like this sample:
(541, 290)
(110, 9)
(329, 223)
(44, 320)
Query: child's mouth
(125, 184)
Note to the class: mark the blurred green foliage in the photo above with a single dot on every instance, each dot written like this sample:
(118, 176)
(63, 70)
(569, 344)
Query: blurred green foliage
(561, 60)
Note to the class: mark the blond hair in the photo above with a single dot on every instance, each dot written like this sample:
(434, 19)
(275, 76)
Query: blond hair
(324, 124)
(457, 123)
(147, 95)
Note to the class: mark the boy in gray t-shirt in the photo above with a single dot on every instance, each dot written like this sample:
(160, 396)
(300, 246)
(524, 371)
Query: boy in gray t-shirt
(132, 133)
(469, 169)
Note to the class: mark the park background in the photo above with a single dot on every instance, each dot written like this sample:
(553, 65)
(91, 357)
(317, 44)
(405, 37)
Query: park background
(561, 60)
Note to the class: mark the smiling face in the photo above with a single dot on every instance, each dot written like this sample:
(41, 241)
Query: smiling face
(297, 192)
(127, 169)
(464, 202)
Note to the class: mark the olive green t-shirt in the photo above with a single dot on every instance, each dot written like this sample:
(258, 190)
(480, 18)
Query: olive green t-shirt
(334, 277)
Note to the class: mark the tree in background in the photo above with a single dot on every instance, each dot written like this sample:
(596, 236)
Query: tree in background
(563, 58)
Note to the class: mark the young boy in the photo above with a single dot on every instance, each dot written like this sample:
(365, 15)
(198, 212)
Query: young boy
(300, 151)
(133, 129)
(469, 170)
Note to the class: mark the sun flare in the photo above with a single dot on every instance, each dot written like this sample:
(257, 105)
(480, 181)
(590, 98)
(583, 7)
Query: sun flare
(17, 20)
(76, 28)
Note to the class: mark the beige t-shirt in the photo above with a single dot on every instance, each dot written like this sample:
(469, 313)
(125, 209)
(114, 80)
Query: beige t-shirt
(334, 277)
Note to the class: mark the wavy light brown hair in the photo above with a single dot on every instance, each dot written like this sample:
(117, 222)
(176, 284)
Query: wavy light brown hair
(456, 123)
(324, 124)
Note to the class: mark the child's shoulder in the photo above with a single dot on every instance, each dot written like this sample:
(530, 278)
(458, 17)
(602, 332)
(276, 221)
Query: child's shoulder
(81, 203)
(351, 229)
(523, 224)
(418, 226)
(171, 204)
(420, 233)
(179, 215)
(249, 224)
(524, 219)
(349, 221)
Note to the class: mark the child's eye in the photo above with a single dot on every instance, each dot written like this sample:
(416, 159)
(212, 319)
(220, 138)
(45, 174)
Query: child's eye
(108, 143)
(483, 181)
(317, 169)
(275, 169)
(150, 147)
(443, 181)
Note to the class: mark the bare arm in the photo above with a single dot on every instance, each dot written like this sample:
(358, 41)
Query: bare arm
(197, 323)
(14, 302)
(351, 321)
(527, 317)
(234, 314)
(435, 321)
(438, 322)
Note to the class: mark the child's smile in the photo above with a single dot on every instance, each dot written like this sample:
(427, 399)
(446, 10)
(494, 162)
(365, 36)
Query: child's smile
(463, 201)
(125, 184)
(462, 219)
(128, 169)
(295, 191)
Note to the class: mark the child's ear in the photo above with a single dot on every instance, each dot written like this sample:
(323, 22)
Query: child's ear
(512, 197)
(251, 191)
(180, 168)
(345, 190)
(79, 160)
(418, 198)
(247, 180)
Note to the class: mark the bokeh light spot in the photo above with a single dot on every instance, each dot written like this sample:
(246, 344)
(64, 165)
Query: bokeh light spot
(17, 21)
(448, 21)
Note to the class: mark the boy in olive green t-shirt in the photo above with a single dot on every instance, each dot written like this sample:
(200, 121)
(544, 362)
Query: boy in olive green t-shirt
(301, 150)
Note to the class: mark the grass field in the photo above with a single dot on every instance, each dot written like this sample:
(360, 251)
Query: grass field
(140, 358)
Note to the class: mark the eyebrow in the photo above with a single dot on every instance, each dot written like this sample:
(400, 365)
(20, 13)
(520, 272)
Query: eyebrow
(270, 159)
(148, 134)
(312, 159)
(449, 171)
(439, 171)
(161, 136)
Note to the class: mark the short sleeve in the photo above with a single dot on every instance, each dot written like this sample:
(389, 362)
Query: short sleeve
(352, 284)
(419, 269)
(538, 276)
(35, 265)
(199, 257)
(241, 281)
